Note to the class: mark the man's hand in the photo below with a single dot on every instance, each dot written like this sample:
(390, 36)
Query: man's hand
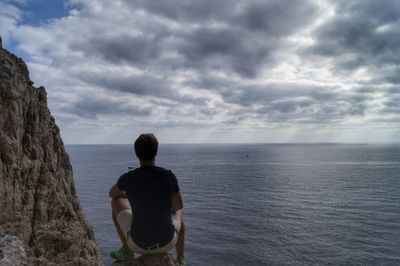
(116, 193)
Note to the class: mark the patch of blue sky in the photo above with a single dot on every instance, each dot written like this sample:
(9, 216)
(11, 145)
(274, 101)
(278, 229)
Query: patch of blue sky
(12, 46)
(39, 12)
(36, 13)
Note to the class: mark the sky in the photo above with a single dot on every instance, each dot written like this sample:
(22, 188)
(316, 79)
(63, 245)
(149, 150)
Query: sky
(209, 71)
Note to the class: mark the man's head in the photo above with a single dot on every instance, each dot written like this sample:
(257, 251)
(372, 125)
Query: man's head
(146, 146)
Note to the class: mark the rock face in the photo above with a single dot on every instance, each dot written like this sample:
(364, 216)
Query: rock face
(12, 251)
(162, 259)
(38, 203)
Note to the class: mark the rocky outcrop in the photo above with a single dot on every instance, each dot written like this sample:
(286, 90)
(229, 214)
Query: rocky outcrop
(162, 259)
(38, 203)
(12, 251)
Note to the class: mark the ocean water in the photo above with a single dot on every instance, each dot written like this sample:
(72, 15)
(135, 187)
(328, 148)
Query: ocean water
(266, 204)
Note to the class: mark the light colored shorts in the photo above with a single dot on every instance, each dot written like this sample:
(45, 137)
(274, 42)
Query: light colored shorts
(124, 219)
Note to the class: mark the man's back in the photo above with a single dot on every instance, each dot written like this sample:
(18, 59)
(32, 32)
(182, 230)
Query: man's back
(149, 190)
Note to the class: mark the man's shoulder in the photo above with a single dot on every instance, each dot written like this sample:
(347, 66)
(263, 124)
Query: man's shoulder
(146, 171)
(163, 170)
(141, 170)
(130, 173)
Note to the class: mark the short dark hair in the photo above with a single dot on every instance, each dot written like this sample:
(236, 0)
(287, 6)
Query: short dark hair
(146, 146)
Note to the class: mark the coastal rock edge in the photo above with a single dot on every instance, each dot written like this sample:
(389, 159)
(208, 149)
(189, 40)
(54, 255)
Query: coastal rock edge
(41, 220)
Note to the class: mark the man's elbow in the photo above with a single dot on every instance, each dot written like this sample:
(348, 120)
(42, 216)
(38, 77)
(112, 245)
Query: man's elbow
(176, 206)
(179, 207)
(112, 193)
(116, 193)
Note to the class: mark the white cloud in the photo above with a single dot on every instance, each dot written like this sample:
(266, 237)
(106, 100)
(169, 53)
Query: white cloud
(220, 71)
(9, 17)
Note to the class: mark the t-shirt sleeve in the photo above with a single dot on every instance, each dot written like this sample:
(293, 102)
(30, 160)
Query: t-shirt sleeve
(121, 183)
(174, 182)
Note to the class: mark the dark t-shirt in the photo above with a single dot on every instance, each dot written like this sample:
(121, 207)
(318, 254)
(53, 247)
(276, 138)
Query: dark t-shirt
(149, 190)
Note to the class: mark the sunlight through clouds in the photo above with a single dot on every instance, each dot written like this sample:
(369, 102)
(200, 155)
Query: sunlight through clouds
(215, 71)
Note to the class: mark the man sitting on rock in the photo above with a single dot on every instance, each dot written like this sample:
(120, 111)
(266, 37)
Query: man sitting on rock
(147, 206)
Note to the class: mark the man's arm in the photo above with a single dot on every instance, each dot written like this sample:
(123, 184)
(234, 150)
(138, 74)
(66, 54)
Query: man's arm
(116, 193)
(177, 202)
(176, 208)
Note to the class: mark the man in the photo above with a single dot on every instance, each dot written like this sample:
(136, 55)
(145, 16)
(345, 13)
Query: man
(154, 224)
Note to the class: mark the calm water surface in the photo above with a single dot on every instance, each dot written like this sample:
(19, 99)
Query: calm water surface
(264, 204)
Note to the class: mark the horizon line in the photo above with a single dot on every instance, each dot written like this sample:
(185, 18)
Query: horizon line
(247, 143)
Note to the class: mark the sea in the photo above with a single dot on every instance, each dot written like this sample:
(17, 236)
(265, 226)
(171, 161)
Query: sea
(263, 204)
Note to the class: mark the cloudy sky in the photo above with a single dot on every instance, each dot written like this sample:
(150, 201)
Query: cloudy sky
(213, 71)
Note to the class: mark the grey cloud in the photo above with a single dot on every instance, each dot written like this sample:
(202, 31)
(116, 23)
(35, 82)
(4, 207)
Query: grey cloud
(182, 124)
(255, 94)
(386, 120)
(224, 49)
(247, 38)
(204, 42)
(139, 84)
(370, 90)
(142, 85)
(208, 81)
(276, 18)
(285, 101)
(309, 111)
(392, 76)
(392, 105)
(120, 48)
(92, 106)
(394, 90)
(288, 106)
(365, 90)
(238, 36)
(362, 33)
(187, 10)
(293, 102)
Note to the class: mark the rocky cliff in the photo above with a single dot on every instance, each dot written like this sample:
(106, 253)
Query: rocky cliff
(39, 207)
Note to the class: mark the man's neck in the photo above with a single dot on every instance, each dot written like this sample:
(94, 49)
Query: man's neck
(148, 163)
